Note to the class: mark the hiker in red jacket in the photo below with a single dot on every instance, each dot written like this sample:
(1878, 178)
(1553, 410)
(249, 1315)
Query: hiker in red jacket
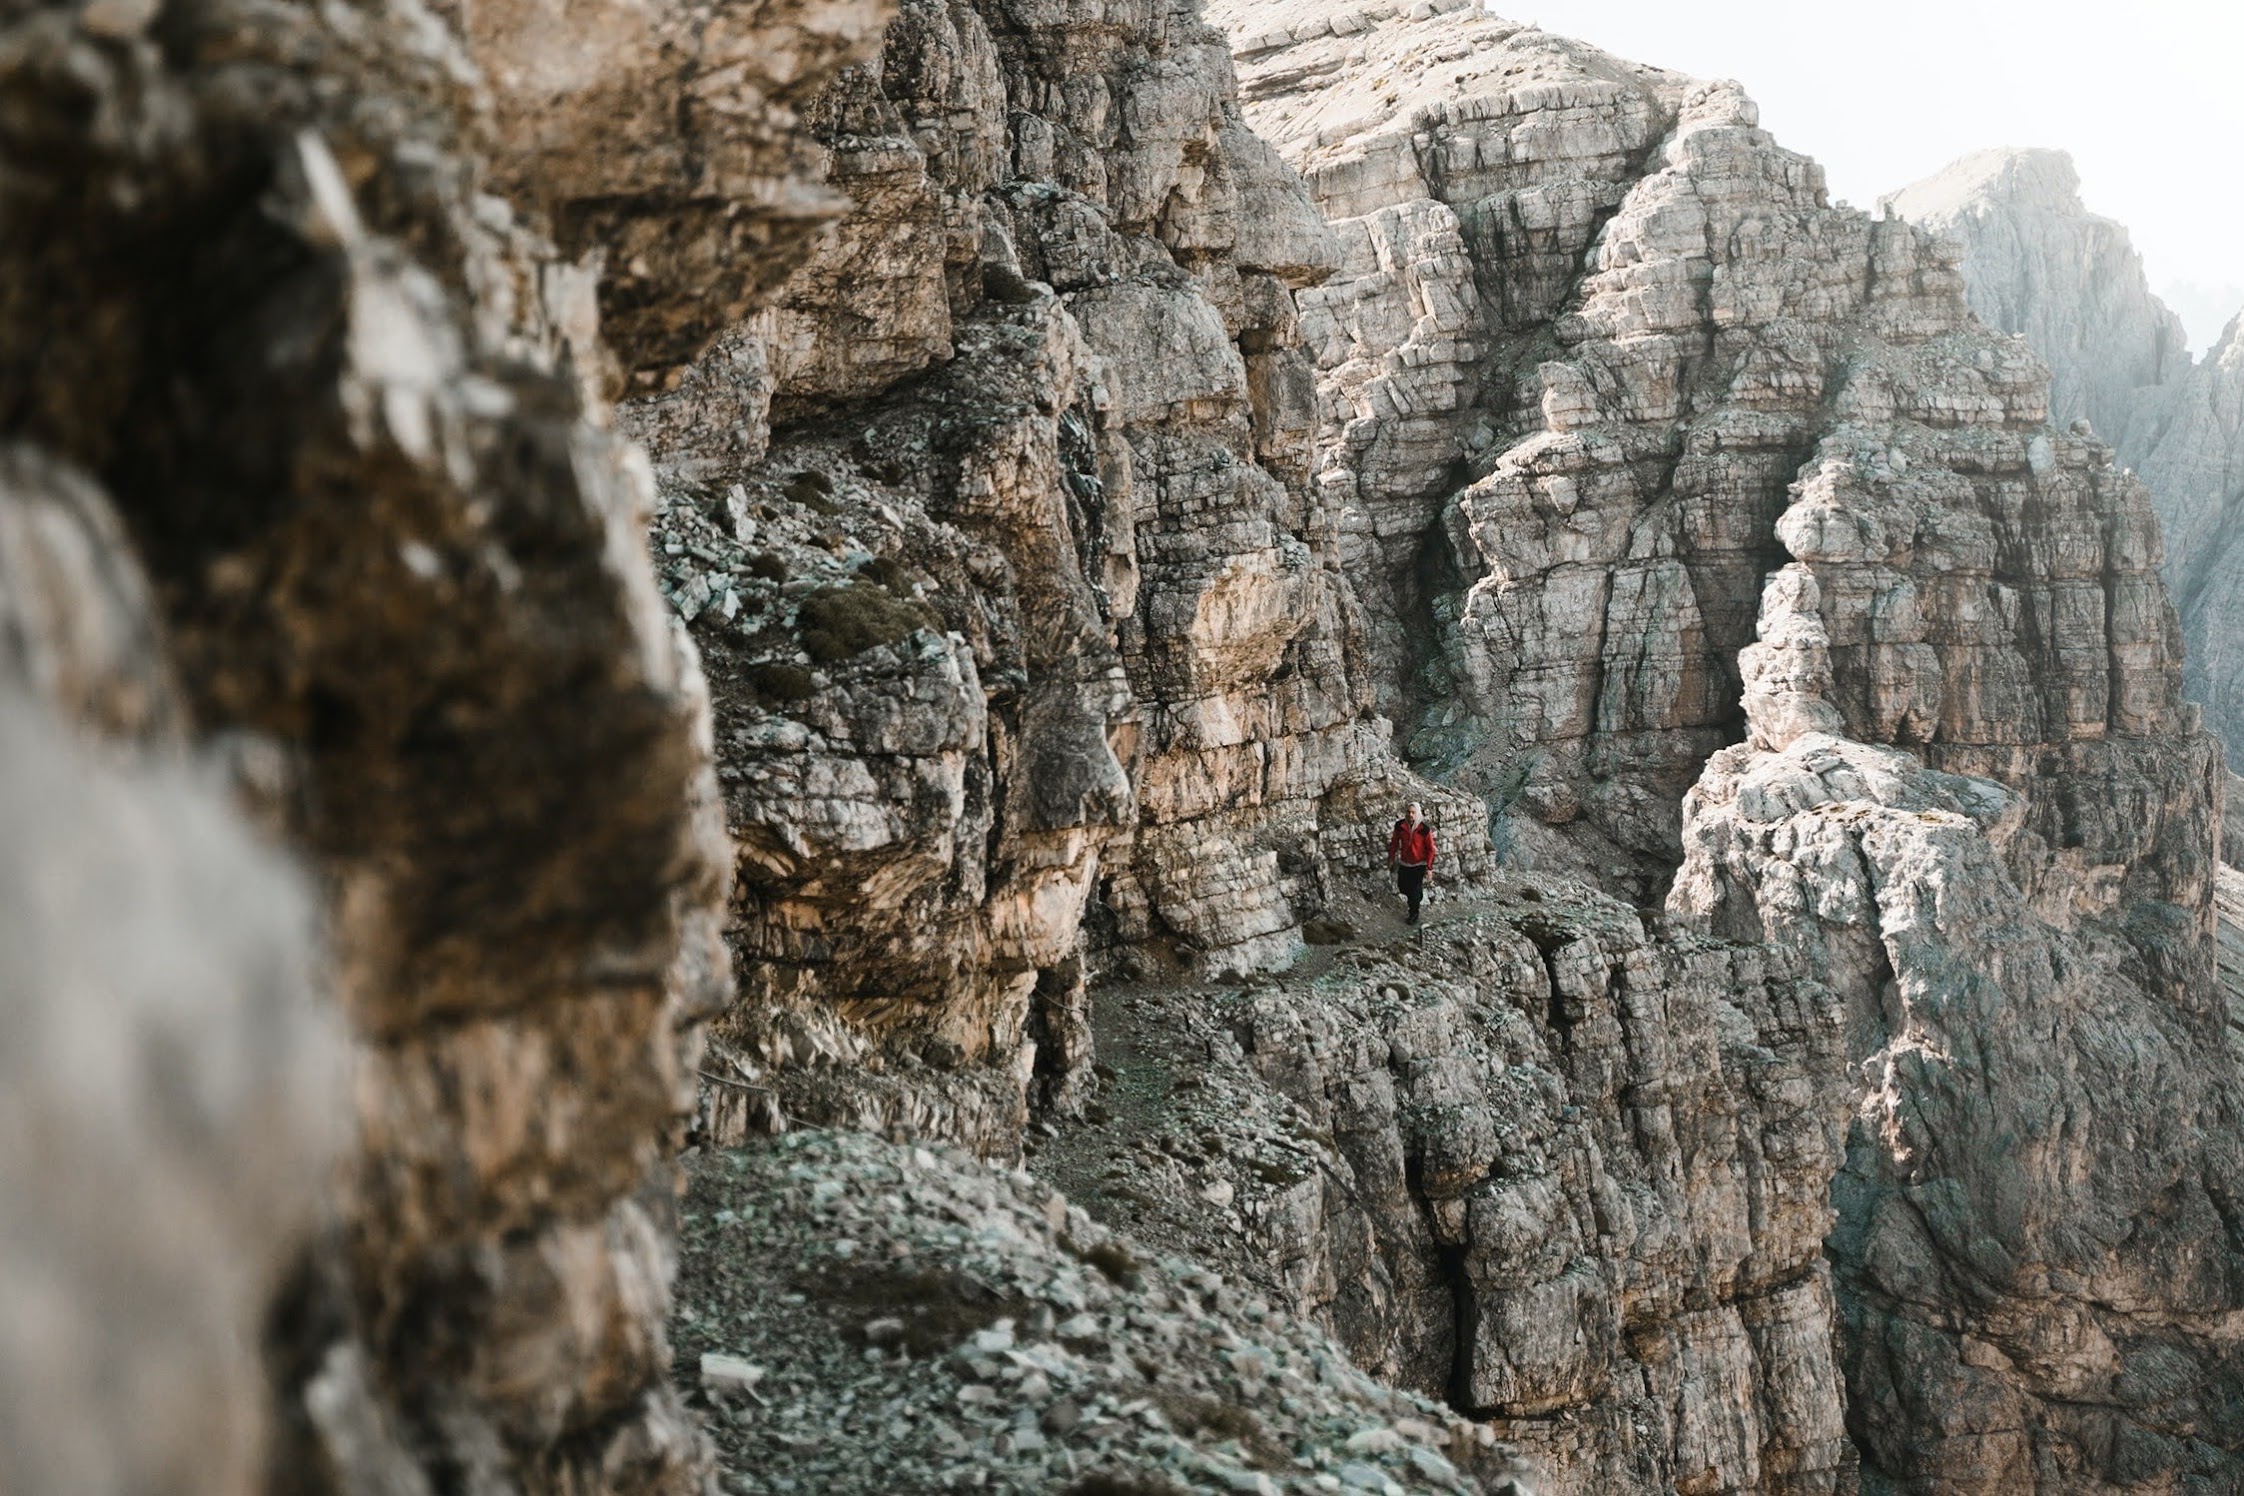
(1410, 852)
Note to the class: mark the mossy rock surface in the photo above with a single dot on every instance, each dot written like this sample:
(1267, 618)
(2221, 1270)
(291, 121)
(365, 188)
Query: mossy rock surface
(839, 623)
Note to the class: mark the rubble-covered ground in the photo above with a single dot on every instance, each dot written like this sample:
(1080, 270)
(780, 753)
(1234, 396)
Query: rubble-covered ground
(863, 1316)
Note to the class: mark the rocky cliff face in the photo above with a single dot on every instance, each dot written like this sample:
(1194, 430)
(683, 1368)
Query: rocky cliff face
(1056, 502)
(1030, 634)
(2038, 263)
(2190, 450)
(1759, 452)
(309, 486)
(1558, 1168)
(1706, 333)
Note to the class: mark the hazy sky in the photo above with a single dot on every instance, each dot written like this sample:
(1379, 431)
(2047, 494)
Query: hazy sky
(2148, 96)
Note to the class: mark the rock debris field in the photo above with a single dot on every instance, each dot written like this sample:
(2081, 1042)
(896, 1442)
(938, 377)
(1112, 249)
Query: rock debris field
(868, 1316)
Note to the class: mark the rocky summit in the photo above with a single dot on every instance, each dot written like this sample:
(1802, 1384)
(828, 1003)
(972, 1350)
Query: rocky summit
(700, 705)
(2038, 263)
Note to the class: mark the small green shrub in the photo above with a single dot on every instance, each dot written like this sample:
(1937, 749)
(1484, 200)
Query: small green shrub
(887, 572)
(780, 683)
(841, 622)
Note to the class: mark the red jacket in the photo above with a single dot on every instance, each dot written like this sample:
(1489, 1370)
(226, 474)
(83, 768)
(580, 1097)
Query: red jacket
(1411, 844)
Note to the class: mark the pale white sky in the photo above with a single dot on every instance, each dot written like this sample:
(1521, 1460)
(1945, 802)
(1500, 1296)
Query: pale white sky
(2148, 96)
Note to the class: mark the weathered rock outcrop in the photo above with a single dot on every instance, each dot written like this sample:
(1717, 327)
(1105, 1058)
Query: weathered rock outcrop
(1761, 454)
(1062, 529)
(2190, 449)
(2033, 1253)
(1569, 1174)
(2038, 263)
(1723, 335)
(267, 339)
(1024, 620)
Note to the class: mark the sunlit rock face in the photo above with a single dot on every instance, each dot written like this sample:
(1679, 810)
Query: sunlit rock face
(1705, 333)
(1030, 635)
(1077, 523)
(1758, 570)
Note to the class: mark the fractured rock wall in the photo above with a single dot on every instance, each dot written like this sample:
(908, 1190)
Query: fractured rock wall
(1609, 518)
(2191, 454)
(2039, 264)
(270, 340)
(1023, 617)
(2036, 262)
(1568, 1173)
(1765, 457)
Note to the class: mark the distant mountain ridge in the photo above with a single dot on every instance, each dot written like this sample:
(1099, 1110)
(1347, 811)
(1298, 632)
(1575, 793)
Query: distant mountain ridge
(2038, 263)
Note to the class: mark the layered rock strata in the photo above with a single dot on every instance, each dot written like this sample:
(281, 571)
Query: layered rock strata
(1722, 333)
(2039, 264)
(2033, 1256)
(1030, 636)
(2189, 448)
(269, 340)
(1571, 1175)
(1766, 455)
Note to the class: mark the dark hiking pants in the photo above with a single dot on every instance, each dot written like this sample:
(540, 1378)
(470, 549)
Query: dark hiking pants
(1410, 877)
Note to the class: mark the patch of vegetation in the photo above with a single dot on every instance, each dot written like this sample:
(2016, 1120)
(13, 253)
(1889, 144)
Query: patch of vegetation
(767, 566)
(780, 684)
(841, 622)
(813, 490)
(887, 571)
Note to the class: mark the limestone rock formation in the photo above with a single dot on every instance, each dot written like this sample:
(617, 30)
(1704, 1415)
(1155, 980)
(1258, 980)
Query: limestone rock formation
(1055, 505)
(1760, 478)
(2190, 450)
(1706, 332)
(1563, 1171)
(165, 1089)
(2033, 1259)
(268, 341)
(1030, 638)
(2039, 264)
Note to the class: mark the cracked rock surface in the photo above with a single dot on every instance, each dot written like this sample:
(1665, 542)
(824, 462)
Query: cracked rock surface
(2039, 264)
(1030, 638)
(1569, 1174)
